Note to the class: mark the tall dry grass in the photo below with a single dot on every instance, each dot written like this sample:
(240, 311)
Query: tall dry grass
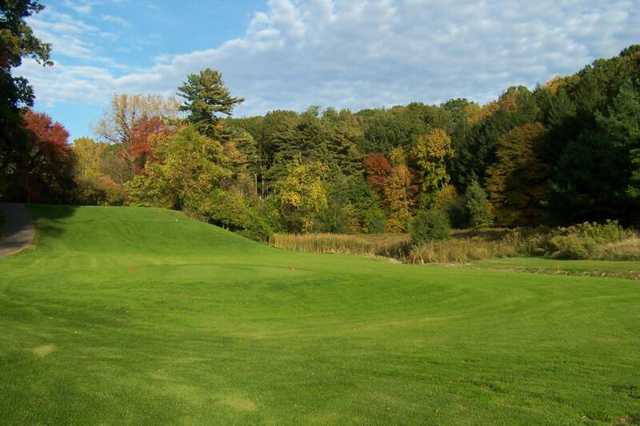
(583, 241)
(462, 251)
(628, 249)
(389, 245)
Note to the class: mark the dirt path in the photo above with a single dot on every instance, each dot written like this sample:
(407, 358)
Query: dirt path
(18, 231)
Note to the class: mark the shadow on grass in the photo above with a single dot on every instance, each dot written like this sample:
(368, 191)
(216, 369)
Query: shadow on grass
(48, 218)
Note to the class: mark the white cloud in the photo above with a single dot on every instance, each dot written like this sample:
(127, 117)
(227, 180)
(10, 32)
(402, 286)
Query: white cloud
(117, 20)
(367, 53)
(79, 6)
(72, 37)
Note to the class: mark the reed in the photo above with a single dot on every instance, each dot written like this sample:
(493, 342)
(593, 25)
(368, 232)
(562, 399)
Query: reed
(390, 245)
(462, 250)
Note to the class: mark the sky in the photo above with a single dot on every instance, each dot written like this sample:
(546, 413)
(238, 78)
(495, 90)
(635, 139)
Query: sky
(291, 54)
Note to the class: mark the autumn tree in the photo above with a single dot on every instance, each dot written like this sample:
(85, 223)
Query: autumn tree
(302, 194)
(378, 169)
(118, 123)
(397, 193)
(50, 162)
(129, 123)
(89, 155)
(206, 99)
(143, 134)
(519, 181)
(189, 167)
(431, 153)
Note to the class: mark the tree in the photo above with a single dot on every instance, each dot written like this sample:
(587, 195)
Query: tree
(94, 187)
(205, 99)
(118, 123)
(378, 169)
(129, 123)
(478, 208)
(144, 132)
(302, 194)
(16, 42)
(519, 181)
(188, 169)
(431, 153)
(622, 125)
(397, 193)
(475, 151)
(89, 156)
(50, 163)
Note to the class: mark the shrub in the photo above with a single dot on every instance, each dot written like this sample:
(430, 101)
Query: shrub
(101, 190)
(571, 247)
(588, 240)
(429, 225)
(453, 205)
(374, 220)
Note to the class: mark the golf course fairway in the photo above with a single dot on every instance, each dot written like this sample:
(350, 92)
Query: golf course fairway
(145, 316)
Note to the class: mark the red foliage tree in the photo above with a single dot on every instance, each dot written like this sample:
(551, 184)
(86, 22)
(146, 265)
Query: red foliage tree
(49, 175)
(141, 143)
(378, 169)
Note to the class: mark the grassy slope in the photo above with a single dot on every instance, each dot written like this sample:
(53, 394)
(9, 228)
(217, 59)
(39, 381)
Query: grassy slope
(143, 316)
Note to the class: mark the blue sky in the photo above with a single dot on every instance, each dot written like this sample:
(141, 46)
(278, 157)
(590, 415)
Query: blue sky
(289, 54)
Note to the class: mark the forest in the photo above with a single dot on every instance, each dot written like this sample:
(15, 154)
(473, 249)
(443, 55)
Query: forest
(565, 152)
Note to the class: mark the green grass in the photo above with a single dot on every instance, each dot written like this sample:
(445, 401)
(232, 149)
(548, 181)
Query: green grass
(603, 268)
(142, 316)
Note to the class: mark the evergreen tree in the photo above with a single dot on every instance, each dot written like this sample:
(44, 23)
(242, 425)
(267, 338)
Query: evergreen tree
(478, 208)
(205, 99)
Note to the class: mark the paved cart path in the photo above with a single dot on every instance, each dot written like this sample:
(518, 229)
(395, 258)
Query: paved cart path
(17, 231)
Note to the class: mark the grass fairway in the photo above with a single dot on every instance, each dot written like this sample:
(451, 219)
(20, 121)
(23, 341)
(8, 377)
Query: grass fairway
(604, 268)
(142, 316)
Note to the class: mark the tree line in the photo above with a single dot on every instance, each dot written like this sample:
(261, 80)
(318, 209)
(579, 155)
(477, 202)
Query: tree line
(565, 152)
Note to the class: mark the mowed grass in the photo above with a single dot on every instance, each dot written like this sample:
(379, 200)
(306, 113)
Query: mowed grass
(143, 316)
(603, 268)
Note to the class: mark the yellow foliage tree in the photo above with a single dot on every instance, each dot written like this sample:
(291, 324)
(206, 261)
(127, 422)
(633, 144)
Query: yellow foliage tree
(302, 194)
(88, 155)
(396, 192)
(431, 152)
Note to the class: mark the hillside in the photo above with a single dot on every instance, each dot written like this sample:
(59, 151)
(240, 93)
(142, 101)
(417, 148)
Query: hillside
(144, 316)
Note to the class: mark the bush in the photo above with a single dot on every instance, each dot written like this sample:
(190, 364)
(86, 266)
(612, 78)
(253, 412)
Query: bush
(588, 240)
(374, 220)
(101, 190)
(572, 247)
(429, 225)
